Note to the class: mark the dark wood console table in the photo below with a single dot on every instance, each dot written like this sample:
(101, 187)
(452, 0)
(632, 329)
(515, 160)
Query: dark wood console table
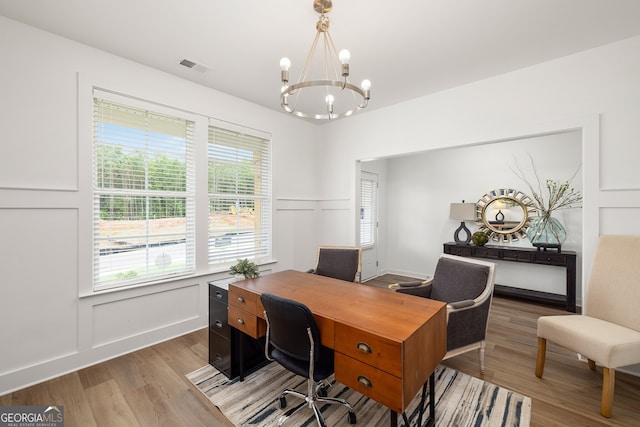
(565, 259)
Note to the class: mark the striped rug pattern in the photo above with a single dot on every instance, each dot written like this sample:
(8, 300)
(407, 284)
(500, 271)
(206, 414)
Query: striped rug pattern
(461, 400)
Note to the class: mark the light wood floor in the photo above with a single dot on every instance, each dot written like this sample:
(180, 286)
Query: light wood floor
(149, 388)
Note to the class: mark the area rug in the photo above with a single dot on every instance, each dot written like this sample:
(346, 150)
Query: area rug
(461, 400)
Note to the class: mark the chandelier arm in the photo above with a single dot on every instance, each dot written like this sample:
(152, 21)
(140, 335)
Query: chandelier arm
(305, 70)
(332, 58)
(307, 63)
(328, 60)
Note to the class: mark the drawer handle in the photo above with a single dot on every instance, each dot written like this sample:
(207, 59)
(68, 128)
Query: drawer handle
(218, 294)
(240, 299)
(364, 381)
(240, 321)
(218, 324)
(548, 258)
(363, 347)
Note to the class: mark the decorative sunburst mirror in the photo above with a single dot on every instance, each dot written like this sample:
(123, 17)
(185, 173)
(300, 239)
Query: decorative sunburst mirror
(505, 214)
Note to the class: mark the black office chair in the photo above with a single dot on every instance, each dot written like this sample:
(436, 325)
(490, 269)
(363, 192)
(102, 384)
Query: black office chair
(293, 340)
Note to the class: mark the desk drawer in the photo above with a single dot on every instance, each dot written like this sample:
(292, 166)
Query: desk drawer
(378, 385)
(369, 348)
(220, 352)
(551, 258)
(218, 294)
(518, 256)
(243, 299)
(483, 252)
(218, 315)
(460, 251)
(246, 322)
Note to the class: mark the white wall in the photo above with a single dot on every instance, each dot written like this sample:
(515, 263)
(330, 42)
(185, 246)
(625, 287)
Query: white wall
(422, 186)
(596, 92)
(52, 322)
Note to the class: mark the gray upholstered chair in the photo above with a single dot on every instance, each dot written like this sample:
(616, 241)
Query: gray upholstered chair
(466, 285)
(608, 332)
(339, 262)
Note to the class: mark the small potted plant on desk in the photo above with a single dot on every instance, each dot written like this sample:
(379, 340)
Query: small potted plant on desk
(246, 268)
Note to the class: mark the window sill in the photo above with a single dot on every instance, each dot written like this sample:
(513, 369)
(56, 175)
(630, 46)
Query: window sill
(169, 283)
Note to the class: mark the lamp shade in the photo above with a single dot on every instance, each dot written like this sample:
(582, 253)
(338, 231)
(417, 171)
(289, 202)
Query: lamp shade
(499, 204)
(463, 211)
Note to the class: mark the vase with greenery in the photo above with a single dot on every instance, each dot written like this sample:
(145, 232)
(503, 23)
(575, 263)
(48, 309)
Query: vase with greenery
(545, 230)
(246, 268)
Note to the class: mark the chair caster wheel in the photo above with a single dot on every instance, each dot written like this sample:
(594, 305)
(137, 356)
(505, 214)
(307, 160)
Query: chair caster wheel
(352, 417)
(283, 402)
(322, 392)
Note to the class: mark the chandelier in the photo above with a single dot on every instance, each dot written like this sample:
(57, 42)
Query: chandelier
(323, 92)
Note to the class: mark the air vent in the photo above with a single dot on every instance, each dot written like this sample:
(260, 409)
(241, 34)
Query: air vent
(194, 65)
(187, 63)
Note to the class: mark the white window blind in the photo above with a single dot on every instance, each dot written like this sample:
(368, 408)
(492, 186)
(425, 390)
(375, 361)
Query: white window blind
(144, 201)
(239, 194)
(368, 187)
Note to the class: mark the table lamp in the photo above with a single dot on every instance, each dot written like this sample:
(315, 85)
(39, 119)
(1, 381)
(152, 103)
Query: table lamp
(463, 212)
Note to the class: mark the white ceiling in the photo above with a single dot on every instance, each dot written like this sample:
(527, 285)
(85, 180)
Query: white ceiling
(407, 48)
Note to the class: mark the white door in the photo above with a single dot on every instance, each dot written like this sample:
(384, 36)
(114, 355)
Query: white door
(369, 224)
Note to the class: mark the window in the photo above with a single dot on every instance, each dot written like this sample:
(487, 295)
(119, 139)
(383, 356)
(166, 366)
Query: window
(368, 187)
(143, 194)
(239, 194)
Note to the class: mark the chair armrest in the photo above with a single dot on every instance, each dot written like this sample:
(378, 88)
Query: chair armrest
(409, 284)
(419, 291)
(412, 284)
(461, 304)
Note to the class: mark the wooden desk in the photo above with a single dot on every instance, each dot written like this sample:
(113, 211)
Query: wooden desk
(406, 336)
(565, 259)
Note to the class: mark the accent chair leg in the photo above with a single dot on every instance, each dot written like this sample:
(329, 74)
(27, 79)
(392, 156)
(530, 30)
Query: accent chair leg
(592, 364)
(542, 350)
(608, 384)
(481, 355)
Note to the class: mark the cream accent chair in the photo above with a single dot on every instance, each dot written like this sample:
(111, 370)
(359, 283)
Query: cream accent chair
(609, 331)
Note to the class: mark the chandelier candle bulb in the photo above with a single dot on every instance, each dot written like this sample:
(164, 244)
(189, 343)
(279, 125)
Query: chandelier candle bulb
(285, 63)
(344, 56)
(366, 85)
(329, 101)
